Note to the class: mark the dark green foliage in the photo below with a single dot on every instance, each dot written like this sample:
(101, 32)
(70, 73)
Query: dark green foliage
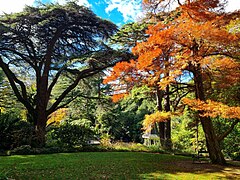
(24, 149)
(123, 121)
(70, 21)
(185, 131)
(71, 135)
(8, 101)
(6, 124)
(48, 42)
(27, 150)
(14, 132)
(231, 143)
(3, 176)
(130, 34)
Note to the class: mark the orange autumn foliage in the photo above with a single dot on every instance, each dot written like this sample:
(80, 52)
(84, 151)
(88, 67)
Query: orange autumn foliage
(151, 119)
(57, 116)
(117, 97)
(198, 35)
(213, 109)
(121, 69)
(225, 70)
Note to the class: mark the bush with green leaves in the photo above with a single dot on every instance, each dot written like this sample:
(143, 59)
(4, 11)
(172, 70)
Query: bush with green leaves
(231, 143)
(185, 130)
(14, 132)
(24, 149)
(69, 135)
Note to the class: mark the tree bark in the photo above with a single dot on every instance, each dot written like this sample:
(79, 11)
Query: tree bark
(161, 125)
(40, 130)
(212, 143)
(41, 117)
(42, 100)
(164, 127)
(168, 141)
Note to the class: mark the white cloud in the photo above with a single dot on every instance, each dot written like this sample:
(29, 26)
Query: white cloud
(233, 5)
(10, 6)
(130, 9)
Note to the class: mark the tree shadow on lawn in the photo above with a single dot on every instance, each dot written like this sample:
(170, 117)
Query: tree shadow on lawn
(186, 169)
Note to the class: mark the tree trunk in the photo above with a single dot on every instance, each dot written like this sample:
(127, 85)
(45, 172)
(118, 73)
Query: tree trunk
(40, 118)
(213, 146)
(40, 131)
(161, 125)
(164, 127)
(41, 115)
(168, 140)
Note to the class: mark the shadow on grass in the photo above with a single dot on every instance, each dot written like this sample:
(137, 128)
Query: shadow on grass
(186, 169)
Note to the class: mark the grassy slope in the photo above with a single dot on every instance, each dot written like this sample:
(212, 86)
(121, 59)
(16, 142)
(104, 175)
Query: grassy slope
(110, 165)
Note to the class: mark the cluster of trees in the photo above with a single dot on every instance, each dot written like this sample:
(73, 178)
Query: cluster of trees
(199, 41)
(173, 67)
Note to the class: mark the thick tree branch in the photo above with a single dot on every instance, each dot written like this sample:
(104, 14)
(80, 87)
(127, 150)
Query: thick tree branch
(54, 81)
(225, 134)
(66, 103)
(20, 55)
(179, 99)
(22, 97)
(222, 54)
(50, 50)
(83, 74)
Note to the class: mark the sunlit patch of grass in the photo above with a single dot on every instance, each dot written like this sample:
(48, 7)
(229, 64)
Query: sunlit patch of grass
(130, 147)
(183, 176)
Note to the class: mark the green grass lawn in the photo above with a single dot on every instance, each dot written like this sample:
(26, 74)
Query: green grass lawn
(110, 165)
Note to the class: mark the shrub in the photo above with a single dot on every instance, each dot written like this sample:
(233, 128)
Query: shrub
(23, 150)
(69, 135)
(14, 132)
(3, 176)
(236, 156)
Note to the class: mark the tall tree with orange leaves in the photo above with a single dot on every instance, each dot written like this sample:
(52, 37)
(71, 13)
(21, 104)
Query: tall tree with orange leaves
(200, 43)
(132, 74)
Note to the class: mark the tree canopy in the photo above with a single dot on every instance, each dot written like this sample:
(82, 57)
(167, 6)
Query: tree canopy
(46, 42)
(195, 39)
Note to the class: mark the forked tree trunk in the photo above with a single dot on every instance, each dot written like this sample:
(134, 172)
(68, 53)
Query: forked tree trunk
(213, 146)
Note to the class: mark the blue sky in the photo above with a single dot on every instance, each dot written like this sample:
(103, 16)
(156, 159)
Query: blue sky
(118, 11)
